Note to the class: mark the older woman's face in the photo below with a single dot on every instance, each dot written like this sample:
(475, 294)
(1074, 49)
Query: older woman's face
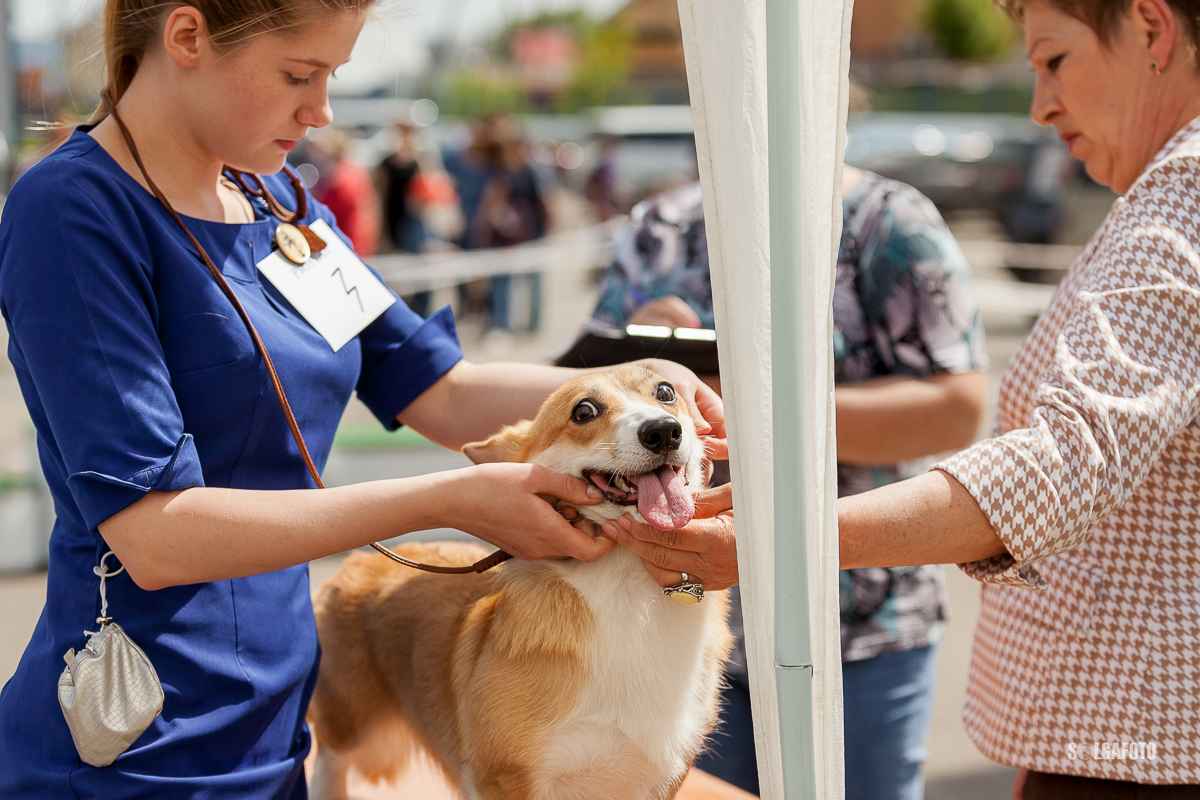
(1097, 96)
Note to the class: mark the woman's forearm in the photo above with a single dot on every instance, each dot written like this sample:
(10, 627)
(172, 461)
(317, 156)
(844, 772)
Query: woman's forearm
(473, 401)
(930, 519)
(206, 534)
(889, 420)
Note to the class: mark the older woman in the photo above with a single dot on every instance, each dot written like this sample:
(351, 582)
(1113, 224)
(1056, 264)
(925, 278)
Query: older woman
(1082, 515)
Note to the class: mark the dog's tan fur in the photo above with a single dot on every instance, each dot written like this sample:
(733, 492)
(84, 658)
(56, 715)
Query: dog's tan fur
(497, 676)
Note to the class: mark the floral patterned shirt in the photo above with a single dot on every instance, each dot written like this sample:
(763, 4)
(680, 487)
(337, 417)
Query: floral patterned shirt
(902, 305)
(662, 252)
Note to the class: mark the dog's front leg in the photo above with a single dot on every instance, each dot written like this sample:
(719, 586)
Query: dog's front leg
(329, 776)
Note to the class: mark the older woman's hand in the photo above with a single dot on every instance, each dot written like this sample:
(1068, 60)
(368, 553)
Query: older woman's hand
(672, 311)
(705, 406)
(705, 548)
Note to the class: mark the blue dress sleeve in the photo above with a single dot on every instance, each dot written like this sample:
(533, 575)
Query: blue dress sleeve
(76, 292)
(402, 354)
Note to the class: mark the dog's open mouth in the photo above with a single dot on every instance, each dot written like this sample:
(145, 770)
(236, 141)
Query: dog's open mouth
(661, 496)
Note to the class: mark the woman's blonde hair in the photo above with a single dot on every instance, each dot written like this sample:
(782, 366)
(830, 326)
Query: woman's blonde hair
(132, 26)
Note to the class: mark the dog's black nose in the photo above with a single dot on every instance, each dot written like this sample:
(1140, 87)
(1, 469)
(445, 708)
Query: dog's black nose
(661, 435)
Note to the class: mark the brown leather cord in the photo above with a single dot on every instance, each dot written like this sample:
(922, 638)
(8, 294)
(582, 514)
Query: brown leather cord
(274, 206)
(242, 179)
(283, 215)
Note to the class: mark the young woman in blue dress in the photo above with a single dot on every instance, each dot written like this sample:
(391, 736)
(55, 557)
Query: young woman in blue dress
(158, 429)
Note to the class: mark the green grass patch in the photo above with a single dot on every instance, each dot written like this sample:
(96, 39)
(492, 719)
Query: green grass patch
(375, 437)
(13, 483)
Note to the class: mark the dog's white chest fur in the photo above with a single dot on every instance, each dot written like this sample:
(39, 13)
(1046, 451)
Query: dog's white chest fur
(649, 687)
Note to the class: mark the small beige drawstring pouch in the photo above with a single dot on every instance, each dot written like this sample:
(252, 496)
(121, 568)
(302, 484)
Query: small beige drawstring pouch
(109, 691)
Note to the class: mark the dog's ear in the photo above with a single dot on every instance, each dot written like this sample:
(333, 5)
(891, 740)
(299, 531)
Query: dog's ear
(504, 446)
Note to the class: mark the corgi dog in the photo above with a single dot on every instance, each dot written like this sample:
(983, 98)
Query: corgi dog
(538, 680)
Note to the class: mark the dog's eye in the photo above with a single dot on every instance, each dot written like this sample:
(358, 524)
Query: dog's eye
(585, 411)
(665, 393)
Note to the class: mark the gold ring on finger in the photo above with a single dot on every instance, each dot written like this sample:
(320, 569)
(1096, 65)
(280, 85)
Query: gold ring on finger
(685, 591)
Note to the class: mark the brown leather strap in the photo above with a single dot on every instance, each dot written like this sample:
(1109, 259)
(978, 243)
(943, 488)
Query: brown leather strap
(274, 206)
(284, 215)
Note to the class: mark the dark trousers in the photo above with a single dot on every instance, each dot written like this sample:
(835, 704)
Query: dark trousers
(1046, 786)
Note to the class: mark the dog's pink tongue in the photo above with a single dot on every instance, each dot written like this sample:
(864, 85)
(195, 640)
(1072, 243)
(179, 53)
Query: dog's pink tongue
(664, 500)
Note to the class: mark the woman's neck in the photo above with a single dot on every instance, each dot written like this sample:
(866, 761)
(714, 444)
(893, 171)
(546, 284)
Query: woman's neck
(1189, 109)
(175, 160)
(1172, 102)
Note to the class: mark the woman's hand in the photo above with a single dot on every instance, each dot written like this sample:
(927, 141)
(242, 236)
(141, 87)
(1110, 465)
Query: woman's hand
(705, 405)
(705, 548)
(672, 311)
(513, 506)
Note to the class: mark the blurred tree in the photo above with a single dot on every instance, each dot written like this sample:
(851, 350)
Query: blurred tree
(603, 75)
(581, 26)
(593, 72)
(469, 94)
(969, 29)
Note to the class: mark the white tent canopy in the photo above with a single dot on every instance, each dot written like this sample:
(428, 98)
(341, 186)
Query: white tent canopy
(776, 72)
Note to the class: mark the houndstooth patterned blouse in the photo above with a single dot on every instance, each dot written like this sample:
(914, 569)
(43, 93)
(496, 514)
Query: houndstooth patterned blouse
(1093, 484)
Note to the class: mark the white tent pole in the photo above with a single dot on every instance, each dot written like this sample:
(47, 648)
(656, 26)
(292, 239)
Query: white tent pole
(725, 50)
(793, 647)
(791, 57)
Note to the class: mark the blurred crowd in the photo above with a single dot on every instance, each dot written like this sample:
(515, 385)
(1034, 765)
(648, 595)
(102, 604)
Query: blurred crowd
(419, 198)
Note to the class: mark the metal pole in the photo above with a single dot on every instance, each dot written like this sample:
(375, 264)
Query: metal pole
(793, 649)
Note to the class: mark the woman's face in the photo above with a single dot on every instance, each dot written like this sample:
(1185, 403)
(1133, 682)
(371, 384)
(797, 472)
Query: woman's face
(1099, 97)
(250, 105)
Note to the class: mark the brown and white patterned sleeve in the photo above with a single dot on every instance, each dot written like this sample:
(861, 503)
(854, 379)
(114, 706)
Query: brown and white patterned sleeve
(1123, 381)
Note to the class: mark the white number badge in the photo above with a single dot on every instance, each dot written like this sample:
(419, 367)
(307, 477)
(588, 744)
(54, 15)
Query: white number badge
(333, 290)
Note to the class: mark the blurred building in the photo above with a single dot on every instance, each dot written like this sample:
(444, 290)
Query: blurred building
(546, 59)
(886, 28)
(657, 73)
(893, 54)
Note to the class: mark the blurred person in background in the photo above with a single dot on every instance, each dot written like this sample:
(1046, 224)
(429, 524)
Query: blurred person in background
(659, 272)
(601, 190)
(512, 210)
(910, 374)
(347, 189)
(402, 220)
(416, 193)
(468, 167)
(431, 195)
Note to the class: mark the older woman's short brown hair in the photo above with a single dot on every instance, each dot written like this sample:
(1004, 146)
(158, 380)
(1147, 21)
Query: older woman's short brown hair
(1102, 16)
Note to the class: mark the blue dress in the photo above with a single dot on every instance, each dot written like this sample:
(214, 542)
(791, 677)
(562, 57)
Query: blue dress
(140, 377)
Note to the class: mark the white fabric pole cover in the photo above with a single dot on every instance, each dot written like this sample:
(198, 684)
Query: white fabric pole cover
(726, 53)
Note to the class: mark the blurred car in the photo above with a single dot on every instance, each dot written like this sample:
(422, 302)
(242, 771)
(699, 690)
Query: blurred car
(1003, 164)
(651, 148)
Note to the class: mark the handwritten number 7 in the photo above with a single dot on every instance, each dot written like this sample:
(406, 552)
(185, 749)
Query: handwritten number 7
(348, 289)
